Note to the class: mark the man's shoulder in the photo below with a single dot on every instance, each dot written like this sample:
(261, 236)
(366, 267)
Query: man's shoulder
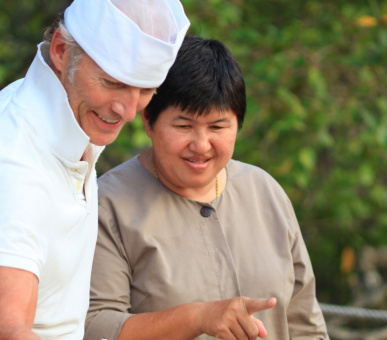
(14, 127)
(11, 87)
(7, 92)
(19, 142)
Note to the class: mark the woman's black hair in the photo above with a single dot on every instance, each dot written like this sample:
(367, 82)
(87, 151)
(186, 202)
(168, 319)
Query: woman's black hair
(204, 76)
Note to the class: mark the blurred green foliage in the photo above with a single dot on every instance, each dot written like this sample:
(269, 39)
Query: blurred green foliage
(317, 108)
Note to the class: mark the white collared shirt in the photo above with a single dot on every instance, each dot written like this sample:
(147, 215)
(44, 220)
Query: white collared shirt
(48, 198)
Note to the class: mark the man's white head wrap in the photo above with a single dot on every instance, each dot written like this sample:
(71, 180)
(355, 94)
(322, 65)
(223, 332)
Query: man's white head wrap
(134, 41)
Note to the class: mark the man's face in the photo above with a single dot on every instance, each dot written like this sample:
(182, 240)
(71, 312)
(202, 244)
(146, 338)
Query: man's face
(101, 104)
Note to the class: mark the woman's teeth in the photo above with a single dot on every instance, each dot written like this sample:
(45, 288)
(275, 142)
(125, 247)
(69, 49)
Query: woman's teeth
(193, 161)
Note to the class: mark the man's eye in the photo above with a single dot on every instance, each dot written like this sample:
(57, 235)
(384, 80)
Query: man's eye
(111, 83)
(152, 90)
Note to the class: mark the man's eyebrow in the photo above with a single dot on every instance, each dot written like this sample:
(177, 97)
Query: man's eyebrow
(104, 75)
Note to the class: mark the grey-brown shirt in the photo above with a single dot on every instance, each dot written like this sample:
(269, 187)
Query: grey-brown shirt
(157, 249)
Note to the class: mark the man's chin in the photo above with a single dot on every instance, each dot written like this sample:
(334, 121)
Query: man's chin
(102, 141)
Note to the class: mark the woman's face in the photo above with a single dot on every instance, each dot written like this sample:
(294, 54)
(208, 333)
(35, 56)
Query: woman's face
(189, 151)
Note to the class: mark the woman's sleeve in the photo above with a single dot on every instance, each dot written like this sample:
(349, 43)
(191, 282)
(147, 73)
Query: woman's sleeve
(110, 281)
(304, 314)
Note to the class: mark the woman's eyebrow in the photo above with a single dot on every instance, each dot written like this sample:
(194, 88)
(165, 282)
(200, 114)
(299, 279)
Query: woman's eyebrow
(182, 117)
(221, 120)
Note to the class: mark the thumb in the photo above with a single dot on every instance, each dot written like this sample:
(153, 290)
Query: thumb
(256, 305)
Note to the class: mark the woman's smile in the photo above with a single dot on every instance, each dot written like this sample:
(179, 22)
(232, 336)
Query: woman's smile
(190, 150)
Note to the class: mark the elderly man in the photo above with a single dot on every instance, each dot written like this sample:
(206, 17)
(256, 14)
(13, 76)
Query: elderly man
(96, 68)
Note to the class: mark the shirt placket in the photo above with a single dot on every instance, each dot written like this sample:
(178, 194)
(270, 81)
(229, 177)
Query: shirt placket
(77, 174)
(219, 253)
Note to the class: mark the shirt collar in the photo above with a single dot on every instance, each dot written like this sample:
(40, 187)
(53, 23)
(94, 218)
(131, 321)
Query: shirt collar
(48, 111)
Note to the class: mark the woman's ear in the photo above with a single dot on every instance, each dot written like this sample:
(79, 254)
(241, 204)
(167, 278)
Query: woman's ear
(145, 120)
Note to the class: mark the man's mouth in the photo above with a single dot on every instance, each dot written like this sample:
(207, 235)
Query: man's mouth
(110, 121)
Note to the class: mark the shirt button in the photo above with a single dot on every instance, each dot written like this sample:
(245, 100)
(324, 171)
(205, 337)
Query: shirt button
(205, 212)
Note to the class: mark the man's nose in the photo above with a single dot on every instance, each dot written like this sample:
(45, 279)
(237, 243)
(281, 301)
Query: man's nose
(126, 104)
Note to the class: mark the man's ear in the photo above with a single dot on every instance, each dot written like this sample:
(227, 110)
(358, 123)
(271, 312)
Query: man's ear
(145, 120)
(58, 55)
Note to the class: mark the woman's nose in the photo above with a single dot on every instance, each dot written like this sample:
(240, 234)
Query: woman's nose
(200, 142)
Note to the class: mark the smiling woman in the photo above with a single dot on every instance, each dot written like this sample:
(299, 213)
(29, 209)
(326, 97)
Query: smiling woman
(191, 241)
(199, 147)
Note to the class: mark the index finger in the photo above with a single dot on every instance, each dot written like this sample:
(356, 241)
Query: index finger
(256, 305)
